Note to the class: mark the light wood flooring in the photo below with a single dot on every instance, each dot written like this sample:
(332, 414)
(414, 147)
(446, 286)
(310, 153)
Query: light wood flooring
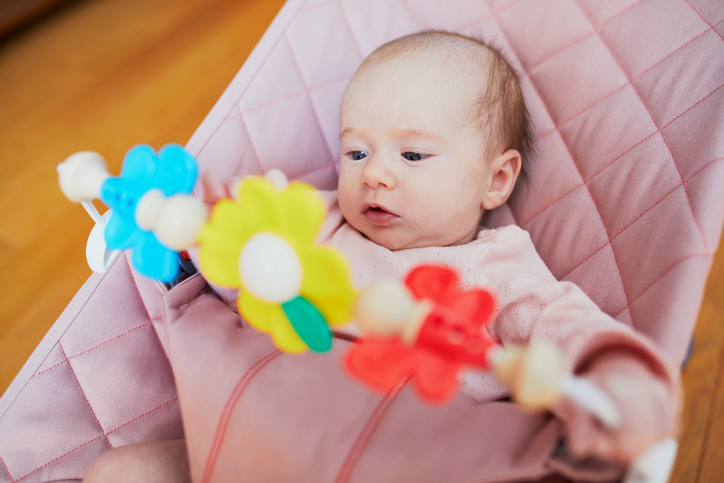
(105, 75)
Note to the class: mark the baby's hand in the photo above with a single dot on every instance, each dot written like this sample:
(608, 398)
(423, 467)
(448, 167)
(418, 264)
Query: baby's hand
(649, 410)
(215, 189)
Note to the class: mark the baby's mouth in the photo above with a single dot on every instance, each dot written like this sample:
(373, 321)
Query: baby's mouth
(378, 215)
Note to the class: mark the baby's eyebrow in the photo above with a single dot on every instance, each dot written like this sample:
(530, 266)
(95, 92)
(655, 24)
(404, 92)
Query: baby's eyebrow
(417, 133)
(347, 130)
(406, 133)
(413, 133)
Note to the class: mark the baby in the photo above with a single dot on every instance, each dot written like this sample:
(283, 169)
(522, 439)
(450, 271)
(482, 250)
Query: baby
(434, 132)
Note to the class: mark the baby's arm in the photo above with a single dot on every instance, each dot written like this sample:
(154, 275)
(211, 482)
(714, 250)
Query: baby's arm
(639, 378)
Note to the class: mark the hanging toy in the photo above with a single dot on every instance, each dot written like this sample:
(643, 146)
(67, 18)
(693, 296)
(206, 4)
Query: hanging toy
(427, 329)
(430, 329)
(264, 244)
(151, 209)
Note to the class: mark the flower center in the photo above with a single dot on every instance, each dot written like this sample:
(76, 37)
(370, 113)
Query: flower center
(270, 268)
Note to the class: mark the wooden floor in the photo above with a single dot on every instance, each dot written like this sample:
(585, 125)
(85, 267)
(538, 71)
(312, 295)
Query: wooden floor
(105, 75)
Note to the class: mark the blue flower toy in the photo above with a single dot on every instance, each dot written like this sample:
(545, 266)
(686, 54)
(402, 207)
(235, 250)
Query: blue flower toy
(151, 207)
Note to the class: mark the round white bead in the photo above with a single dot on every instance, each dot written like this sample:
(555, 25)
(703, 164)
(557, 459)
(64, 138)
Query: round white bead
(270, 268)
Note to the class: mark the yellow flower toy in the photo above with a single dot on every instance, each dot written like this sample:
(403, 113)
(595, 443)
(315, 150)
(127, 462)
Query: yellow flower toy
(264, 244)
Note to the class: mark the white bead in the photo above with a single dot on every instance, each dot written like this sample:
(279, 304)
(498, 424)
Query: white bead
(388, 309)
(541, 372)
(277, 178)
(382, 308)
(148, 209)
(82, 175)
(175, 220)
(270, 268)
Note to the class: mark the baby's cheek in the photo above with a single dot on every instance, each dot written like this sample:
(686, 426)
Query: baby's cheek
(461, 213)
(346, 206)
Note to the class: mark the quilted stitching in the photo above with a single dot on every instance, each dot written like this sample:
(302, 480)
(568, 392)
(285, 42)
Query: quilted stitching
(62, 389)
(5, 467)
(688, 197)
(451, 15)
(326, 103)
(68, 358)
(654, 39)
(232, 150)
(370, 30)
(82, 392)
(521, 23)
(282, 82)
(314, 110)
(711, 12)
(72, 402)
(602, 12)
(273, 146)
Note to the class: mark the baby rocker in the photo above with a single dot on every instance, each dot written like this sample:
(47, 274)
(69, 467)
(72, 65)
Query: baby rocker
(263, 243)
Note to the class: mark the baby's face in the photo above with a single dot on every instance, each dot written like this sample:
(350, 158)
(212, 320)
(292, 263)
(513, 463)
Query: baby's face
(413, 169)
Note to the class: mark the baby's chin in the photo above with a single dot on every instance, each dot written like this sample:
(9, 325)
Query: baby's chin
(386, 237)
(398, 237)
(391, 243)
(395, 240)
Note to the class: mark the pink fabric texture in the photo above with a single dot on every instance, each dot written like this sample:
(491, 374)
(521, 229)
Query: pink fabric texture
(99, 379)
(625, 196)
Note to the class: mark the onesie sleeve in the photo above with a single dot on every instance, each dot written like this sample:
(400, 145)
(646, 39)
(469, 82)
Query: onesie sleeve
(533, 305)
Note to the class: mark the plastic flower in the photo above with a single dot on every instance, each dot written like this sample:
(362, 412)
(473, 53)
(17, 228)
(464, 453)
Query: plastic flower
(452, 335)
(172, 171)
(263, 244)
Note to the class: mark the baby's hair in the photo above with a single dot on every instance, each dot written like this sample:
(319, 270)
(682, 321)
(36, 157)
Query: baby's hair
(500, 109)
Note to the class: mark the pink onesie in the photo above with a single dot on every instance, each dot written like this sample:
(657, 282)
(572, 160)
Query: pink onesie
(532, 303)
(249, 409)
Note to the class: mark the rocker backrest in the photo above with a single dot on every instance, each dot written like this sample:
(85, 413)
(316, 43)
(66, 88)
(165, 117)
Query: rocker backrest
(625, 197)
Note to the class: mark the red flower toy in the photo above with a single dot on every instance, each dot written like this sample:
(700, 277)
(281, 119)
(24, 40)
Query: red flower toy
(428, 330)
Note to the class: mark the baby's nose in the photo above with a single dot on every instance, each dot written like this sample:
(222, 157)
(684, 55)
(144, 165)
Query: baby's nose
(377, 174)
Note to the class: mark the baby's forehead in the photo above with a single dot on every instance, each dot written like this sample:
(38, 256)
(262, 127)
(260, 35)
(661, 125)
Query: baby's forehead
(454, 64)
(422, 72)
(436, 49)
(419, 69)
(427, 100)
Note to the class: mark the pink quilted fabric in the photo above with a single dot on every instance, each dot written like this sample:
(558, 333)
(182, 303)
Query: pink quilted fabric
(625, 197)
(99, 379)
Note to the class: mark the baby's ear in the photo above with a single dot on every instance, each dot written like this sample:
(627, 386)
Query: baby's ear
(504, 171)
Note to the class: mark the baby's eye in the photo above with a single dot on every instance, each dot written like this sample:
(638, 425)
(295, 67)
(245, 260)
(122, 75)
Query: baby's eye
(357, 155)
(410, 156)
